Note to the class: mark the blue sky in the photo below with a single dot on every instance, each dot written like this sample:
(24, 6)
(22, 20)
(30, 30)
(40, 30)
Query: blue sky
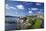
(21, 8)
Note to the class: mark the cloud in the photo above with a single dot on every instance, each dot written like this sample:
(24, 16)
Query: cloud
(34, 9)
(30, 11)
(10, 7)
(7, 6)
(38, 3)
(19, 6)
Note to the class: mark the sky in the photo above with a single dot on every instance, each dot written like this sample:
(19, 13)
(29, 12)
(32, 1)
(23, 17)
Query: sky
(22, 8)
